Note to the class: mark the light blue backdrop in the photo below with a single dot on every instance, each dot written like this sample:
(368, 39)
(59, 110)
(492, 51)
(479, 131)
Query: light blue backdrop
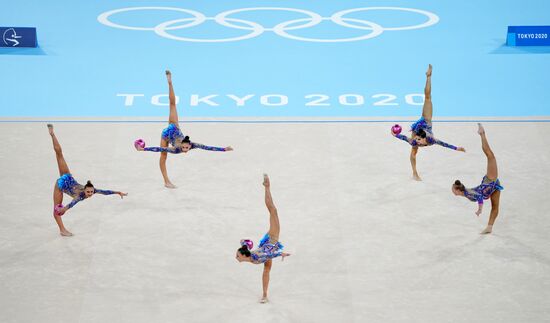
(82, 65)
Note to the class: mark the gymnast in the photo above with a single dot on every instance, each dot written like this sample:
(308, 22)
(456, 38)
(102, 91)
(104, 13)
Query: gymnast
(488, 189)
(173, 136)
(269, 246)
(422, 134)
(68, 185)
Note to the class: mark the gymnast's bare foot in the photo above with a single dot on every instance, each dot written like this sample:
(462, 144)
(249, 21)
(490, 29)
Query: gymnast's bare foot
(429, 71)
(65, 233)
(170, 185)
(487, 230)
(480, 129)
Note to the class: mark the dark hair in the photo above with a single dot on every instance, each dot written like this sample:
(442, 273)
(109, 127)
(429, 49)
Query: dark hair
(459, 186)
(244, 251)
(89, 184)
(186, 140)
(421, 133)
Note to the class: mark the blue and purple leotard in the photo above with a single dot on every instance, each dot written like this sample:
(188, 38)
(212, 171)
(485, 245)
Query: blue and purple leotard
(174, 136)
(484, 190)
(430, 139)
(68, 185)
(268, 248)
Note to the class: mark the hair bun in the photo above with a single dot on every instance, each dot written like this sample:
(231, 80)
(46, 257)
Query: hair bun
(457, 182)
(89, 182)
(421, 133)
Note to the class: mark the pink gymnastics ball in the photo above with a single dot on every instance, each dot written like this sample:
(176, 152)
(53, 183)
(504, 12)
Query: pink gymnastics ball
(139, 143)
(248, 243)
(57, 209)
(396, 129)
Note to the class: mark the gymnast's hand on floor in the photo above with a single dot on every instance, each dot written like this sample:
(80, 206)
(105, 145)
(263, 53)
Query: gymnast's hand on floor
(461, 149)
(228, 148)
(283, 255)
(122, 194)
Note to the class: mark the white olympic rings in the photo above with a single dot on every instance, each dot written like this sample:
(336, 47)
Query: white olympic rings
(255, 29)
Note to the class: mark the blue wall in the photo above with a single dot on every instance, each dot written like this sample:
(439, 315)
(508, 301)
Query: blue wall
(82, 65)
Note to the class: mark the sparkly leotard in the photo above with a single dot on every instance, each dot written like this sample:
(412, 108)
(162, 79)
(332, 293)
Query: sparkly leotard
(68, 185)
(174, 136)
(430, 139)
(484, 190)
(269, 248)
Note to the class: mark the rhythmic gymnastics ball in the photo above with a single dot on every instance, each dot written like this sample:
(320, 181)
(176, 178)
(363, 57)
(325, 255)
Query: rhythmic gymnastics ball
(248, 243)
(57, 209)
(396, 129)
(139, 143)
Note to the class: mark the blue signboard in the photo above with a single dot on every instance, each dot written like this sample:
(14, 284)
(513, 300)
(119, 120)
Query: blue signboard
(528, 36)
(18, 37)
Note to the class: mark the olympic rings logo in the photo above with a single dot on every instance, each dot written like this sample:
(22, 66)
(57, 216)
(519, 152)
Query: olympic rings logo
(255, 29)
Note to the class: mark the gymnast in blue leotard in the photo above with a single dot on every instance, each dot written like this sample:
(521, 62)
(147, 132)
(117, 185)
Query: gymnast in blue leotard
(179, 142)
(68, 185)
(268, 249)
(173, 140)
(422, 133)
(488, 189)
(483, 191)
(269, 246)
